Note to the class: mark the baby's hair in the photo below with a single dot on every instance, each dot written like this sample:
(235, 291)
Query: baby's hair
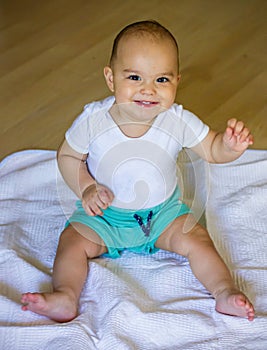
(142, 28)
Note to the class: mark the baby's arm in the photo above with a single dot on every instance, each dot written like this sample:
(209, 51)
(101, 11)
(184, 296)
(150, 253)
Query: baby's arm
(75, 173)
(226, 147)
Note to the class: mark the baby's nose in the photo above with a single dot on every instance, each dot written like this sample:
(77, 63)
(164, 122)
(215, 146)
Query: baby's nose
(148, 88)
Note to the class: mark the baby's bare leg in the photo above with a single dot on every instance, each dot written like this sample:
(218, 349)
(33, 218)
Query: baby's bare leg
(69, 274)
(185, 237)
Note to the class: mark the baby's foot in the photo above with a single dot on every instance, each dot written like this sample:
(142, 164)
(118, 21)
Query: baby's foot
(58, 306)
(235, 303)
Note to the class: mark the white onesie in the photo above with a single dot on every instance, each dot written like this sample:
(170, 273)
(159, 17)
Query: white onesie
(141, 172)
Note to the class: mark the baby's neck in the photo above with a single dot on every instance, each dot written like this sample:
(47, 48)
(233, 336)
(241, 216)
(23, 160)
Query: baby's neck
(129, 126)
(134, 130)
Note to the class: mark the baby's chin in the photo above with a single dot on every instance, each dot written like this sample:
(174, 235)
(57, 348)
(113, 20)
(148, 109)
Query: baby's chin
(138, 111)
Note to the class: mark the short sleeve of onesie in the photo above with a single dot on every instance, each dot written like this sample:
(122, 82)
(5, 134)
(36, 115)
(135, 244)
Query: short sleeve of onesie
(78, 135)
(187, 127)
(194, 131)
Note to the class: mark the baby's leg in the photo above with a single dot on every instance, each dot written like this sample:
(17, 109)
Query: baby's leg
(185, 237)
(69, 274)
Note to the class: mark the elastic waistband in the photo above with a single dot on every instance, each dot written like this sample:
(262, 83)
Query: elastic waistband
(155, 209)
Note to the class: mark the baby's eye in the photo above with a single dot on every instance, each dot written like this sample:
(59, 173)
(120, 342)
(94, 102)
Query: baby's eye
(134, 77)
(162, 80)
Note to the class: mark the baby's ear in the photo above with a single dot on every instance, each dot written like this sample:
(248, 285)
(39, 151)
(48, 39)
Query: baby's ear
(108, 73)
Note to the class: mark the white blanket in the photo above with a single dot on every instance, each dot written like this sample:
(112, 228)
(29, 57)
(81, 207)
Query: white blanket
(137, 301)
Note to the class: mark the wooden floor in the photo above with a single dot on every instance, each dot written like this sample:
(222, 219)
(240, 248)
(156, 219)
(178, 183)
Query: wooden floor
(52, 55)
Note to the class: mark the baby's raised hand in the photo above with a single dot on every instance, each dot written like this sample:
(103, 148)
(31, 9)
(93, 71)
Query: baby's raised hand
(95, 198)
(237, 136)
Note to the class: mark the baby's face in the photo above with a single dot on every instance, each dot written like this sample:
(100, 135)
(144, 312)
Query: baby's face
(144, 74)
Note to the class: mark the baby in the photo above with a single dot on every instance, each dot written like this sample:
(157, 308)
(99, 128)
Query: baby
(119, 157)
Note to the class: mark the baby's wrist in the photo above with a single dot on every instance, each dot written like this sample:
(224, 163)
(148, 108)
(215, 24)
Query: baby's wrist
(88, 188)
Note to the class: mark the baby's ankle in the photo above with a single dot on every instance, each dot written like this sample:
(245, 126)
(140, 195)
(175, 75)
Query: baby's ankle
(66, 293)
(226, 289)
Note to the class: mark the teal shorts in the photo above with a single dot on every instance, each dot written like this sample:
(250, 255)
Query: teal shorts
(134, 230)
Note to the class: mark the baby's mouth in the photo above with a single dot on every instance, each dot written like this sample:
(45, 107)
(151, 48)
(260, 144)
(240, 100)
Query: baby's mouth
(146, 104)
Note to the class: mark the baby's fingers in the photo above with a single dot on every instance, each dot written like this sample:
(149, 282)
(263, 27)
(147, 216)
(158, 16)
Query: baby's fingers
(232, 123)
(91, 208)
(236, 126)
(245, 135)
(238, 129)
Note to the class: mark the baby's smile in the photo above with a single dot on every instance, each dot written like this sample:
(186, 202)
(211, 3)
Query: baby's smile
(146, 104)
